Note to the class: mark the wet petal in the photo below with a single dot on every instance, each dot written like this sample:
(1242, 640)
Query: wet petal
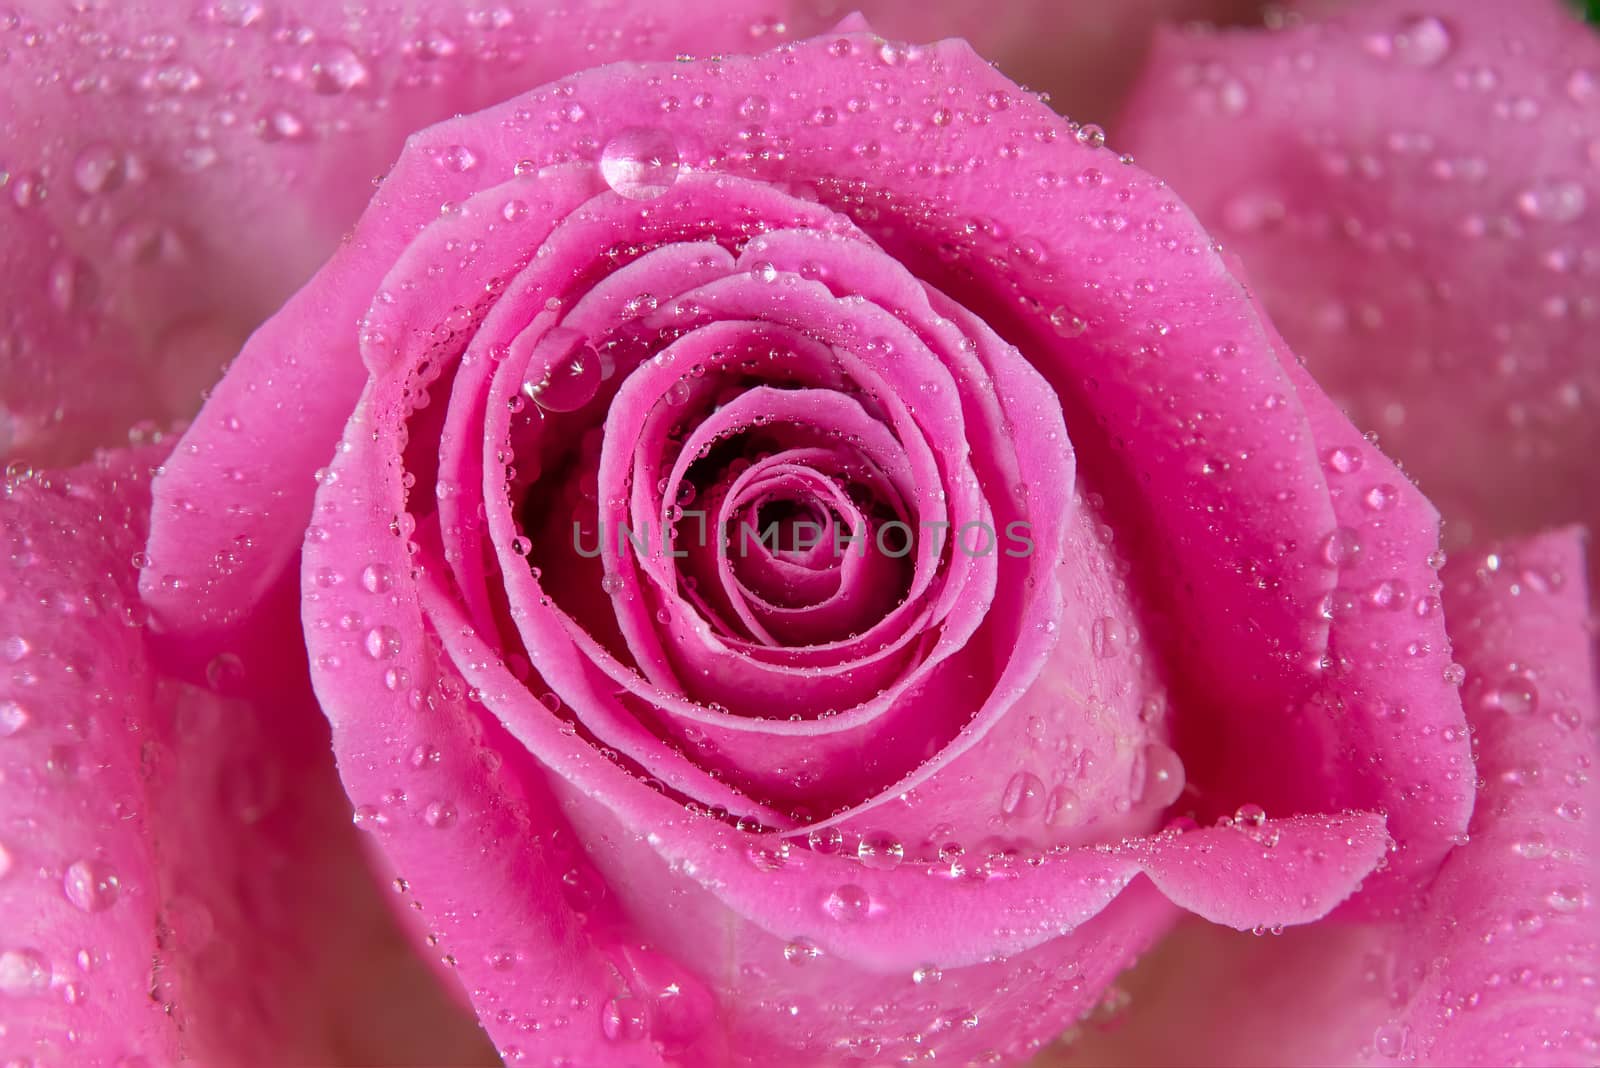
(1432, 264)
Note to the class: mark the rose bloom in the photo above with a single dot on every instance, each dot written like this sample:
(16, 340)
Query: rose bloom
(766, 544)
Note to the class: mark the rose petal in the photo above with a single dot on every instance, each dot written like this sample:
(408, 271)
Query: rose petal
(1433, 265)
(176, 860)
(81, 890)
(1497, 965)
(173, 175)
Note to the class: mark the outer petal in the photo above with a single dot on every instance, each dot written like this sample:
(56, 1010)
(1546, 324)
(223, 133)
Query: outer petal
(1435, 263)
(74, 702)
(173, 171)
(1498, 964)
(177, 871)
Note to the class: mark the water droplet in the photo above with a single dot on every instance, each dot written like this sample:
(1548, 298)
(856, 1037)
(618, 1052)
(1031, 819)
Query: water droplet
(1343, 461)
(377, 578)
(458, 158)
(1107, 637)
(1062, 807)
(847, 904)
(567, 369)
(1515, 695)
(90, 886)
(1340, 547)
(72, 284)
(1024, 796)
(801, 951)
(280, 124)
(825, 840)
(1566, 898)
(1381, 498)
(880, 852)
(23, 972)
(98, 169)
(337, 69)
(1091, 135)
(1554, 201)
(624, 1019)
(1066, 324)
(439, 814)
(224, 671)
(640, 163)
(1158, 776)
(1390, 1039)
(382, 642)
(926, 974)
(13, 717)
(1423, 41)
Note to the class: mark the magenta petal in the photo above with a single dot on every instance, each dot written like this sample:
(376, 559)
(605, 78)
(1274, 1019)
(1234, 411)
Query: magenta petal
(1432, 264)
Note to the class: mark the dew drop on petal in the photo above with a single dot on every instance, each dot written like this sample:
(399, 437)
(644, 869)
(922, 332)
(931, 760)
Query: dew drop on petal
(90, 886)
(880, 852)
(1158, 776)
(1024, 796)
(640, 162)
(13, 717)
(624, 1019)
(564, 371)
(847, 903)
(377, 578)
(382, 642)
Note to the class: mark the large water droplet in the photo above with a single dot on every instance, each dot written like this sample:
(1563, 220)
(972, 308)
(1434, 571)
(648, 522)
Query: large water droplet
(801, 951)
(382, 642)
(640, 163)
(847, 903)
(624, 1019)
(90, 885)
(880, 852)
(1158, 776)
(564, 371)
(1023, 796)
(377, 578)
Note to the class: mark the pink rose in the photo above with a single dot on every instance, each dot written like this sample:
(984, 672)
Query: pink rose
(808, 557)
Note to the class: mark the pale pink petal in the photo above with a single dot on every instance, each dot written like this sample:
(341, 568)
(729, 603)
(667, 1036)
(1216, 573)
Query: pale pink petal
(174, 171)
(177, 868)
(1414, 191)
(80, 889)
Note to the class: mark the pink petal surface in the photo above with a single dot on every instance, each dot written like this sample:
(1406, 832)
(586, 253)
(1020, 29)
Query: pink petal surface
(1497, 964)
(80, 889)
(1434, 265)
(173, 172)
(176, 863)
